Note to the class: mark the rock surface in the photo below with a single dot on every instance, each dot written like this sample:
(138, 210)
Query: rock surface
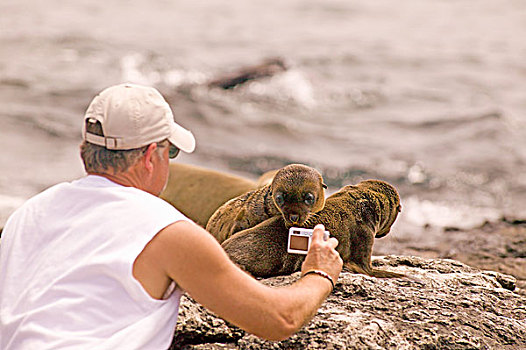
(497, 246)
(444, 305)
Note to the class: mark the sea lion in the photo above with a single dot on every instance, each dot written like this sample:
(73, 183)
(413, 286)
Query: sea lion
(197, 191)
(295, 192)
(355, 215)
(266, 178)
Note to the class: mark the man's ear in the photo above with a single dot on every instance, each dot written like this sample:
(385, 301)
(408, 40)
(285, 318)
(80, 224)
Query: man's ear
(147, 158)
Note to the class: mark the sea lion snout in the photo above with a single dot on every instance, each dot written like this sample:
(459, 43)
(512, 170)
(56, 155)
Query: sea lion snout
(294, 218)
(295, 213)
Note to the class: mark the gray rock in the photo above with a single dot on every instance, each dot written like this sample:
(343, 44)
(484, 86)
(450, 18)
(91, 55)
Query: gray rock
(443, 305)
(496, 246)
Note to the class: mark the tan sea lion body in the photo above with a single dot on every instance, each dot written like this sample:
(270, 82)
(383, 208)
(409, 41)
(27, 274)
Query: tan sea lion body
(295, 192)
(355, 215)
(197, 192)
(266, 178)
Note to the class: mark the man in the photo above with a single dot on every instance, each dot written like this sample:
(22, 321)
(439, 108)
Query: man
(101, 262)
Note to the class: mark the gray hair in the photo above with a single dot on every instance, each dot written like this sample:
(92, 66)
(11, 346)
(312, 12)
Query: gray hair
(98, 159)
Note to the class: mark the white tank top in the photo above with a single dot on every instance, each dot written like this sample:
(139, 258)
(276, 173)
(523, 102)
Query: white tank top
(66, 259)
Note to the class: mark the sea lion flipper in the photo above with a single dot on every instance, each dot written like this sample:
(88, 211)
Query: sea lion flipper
(353, 267)
(386, 274)
(240, 215)
(236, 227)
(239, 223)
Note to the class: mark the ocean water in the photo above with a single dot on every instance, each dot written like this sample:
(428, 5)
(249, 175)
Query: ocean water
(427, 95)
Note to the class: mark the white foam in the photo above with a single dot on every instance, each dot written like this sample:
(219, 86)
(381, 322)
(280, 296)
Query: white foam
(133, 70)
(295, 86)
(177, 77)
(442, 214)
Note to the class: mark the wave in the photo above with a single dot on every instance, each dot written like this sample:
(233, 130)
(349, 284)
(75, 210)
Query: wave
(448, 122)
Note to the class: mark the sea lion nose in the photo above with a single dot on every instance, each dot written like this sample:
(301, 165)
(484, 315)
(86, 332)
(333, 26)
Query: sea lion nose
(294, 217)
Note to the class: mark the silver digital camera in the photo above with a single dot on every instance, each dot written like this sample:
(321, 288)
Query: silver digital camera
(300, 238)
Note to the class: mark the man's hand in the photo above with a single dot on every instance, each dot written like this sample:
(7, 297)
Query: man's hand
(322, 255)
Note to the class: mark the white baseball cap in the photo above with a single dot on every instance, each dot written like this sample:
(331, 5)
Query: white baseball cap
(133, 116)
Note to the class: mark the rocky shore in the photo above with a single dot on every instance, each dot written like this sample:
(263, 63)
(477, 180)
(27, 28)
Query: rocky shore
(474, 299)
(466, 290)
(498, 246)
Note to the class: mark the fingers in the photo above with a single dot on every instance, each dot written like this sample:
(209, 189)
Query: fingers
(317, 234)
(323, 255)
(317, 237)
(333, 242)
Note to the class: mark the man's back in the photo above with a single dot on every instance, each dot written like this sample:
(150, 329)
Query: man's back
(66, 269)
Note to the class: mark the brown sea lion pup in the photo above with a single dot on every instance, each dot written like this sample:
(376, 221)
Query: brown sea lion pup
(355, 215)
(295, 192)
(197, 191)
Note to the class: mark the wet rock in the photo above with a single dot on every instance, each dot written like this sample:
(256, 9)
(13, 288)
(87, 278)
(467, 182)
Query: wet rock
(445, 304)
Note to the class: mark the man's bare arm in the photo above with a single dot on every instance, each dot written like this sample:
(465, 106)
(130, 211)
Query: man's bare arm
(187, 254)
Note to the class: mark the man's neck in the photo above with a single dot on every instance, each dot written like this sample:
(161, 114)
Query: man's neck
(127, 179)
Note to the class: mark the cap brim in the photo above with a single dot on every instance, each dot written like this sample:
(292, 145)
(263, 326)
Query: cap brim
(182, 138)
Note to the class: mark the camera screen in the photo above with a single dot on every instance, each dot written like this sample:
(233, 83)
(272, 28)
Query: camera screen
(299, 242)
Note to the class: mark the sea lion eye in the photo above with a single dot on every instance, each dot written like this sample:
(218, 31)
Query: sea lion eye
(280, 200)
(309, 199)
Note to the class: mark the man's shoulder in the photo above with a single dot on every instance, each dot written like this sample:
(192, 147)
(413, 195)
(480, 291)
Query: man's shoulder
(44, 195)
(153, 205)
